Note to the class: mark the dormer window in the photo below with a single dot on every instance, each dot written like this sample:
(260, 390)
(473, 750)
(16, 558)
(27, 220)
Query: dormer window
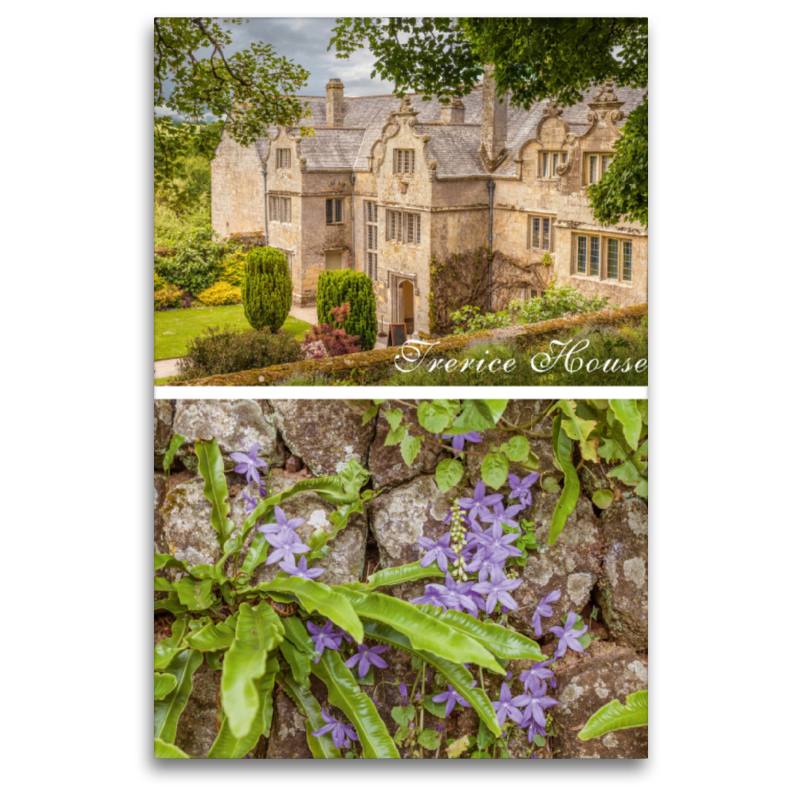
(595, 165)
(548, 161)
(403, 162)
(284, 158)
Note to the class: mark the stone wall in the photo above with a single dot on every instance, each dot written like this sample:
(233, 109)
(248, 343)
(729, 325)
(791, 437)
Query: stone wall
(376, 365)
(599, 561)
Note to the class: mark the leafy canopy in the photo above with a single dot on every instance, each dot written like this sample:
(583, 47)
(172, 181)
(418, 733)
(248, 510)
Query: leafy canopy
(533, 59)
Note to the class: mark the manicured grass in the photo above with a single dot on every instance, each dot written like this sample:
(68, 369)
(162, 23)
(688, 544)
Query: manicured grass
(174, 329)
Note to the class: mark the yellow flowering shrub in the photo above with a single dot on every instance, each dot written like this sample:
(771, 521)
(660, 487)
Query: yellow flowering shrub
(221, 294)
(232, 269)
(167, 297)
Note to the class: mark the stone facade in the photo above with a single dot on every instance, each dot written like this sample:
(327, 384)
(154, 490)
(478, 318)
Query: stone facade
(346, 190)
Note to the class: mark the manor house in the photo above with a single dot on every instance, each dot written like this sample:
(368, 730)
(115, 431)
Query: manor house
(385, 186)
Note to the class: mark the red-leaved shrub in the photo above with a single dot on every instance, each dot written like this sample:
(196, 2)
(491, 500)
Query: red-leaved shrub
(327, 340)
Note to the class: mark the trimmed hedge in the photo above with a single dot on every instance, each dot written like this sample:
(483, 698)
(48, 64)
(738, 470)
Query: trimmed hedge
(339, 286)
(267, 288)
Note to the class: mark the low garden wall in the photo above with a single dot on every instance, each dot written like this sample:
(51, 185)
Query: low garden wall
(374, 365)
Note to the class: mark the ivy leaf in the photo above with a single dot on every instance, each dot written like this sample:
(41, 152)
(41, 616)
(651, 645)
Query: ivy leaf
(402, 715)
(494, 470)
(409, 448)
(448, 473)
(579, 429)
(433, 416)
(458, 747)
(395, 436)
(517, 448)
(437, 709)
(479, 415)
(369, 414)
(429, 739)
(603, 498)
(394, 417)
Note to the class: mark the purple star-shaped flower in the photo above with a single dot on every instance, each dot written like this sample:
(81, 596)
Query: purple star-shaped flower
(451, 697)
(281, 535)
(366, 656)
(479, 503)
(457, 595)
(342, 732)
(281, 524)
(535, 704)
(431, 597)
(502, 516)
(520, 489)
(544, 609)
(538, 672)
(301, 569)
(324, 637)
(437, 551)
(497, 589)
(460, 438)
(403, 690)
(568, 635)
(248, 464)
(250, 502)
(508, 706)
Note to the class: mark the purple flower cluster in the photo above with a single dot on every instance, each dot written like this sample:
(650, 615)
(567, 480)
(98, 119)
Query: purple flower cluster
(248, 464)
(477, 543)
(527, 709)
(342, 732)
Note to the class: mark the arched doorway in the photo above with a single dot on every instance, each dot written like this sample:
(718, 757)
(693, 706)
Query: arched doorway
(406, 304)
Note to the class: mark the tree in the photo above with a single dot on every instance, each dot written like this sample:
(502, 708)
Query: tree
(193, 76)
(533, 59)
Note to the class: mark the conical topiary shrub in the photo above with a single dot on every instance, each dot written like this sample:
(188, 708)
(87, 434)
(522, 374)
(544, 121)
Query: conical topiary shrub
(267, 288)
(338, 286)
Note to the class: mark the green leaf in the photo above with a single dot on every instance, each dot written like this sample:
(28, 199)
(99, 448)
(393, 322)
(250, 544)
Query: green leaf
(406, 572)
(437, 709)
(565, 505)
(579, 429)
(551, 485)
(299, 663)
(195, 595)
(227, 744)
(343, 692)
(258, 630)
(168, 648)
(480, 415)
(163, 684)
(212, 637)
(164, 560)
(409, 448)
(614, 716)
(394, 417)
(603, 498)
(429, 739)
(402, 715)
(627, 412)
(369, 414)
(433, 416)
(455, 674)
(494, 470)
(458, 747)
(502, 641)
(296, 633)
(425, 631)
(215, 488)
(165, 750)
(320, 598)
(396, 435)
(320, 746)
(256, 554)
(448, 473)
(517, 448)
(176, 441)
(169, 709)
(162, 585)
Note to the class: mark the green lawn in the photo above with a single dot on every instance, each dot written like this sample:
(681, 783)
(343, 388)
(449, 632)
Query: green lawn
(173, 329)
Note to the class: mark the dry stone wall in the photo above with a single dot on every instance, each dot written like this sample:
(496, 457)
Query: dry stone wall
(599, 561)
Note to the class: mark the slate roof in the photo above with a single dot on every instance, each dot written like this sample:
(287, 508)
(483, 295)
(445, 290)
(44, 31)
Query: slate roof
(455, 147)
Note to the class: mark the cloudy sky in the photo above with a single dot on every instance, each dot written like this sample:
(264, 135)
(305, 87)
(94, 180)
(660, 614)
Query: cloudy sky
(305, 41)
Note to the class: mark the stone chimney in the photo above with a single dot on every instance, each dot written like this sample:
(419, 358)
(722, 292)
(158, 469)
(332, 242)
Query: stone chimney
(494, 119)
(452, 113)
(334, 103)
